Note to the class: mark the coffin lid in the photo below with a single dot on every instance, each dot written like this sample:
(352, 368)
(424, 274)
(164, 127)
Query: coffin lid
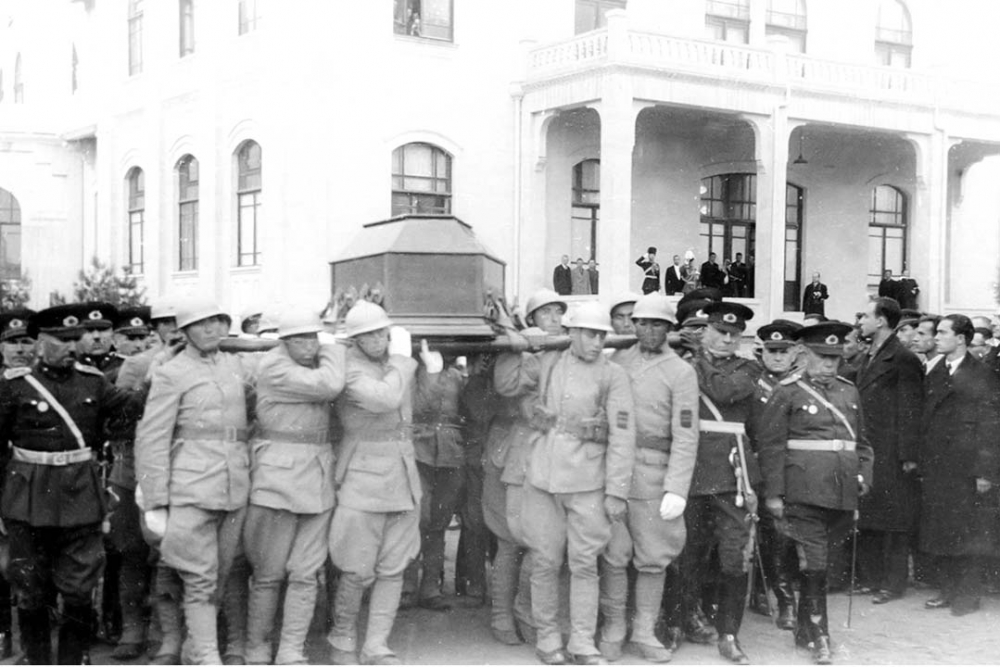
(416, 234)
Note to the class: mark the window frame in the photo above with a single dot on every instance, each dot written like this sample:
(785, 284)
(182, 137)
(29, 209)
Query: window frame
(10, 226)
(18, 80)
(185, 16)
(247, 16)
(188, 196)
(793, 26)
(440, 161)
(135, 14)
(135, 181)
(403, 25)
(895, 41)
(249, 186)
(728, 15)
(736, 214)
(586, 206)
(596, 19)
(899, 212)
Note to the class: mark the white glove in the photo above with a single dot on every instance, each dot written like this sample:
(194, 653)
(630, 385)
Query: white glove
(672, 506)
(138, 496)
(399, 342)
(432, 360)
(156, 522)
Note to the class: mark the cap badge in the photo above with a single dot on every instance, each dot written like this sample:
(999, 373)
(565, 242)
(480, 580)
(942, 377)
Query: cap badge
(813, 409)
(776, 335)
(16, 324)
(701, 314)
(43, 406)
(136, 322)
(832, 339)
(729, 318)
(70, 321)
(94, 315)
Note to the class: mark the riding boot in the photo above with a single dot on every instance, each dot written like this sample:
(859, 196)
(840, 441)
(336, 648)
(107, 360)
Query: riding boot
(729, 618)
(74, 635)
(614, 596)
(506, 568)
(300, 603)
(784, 591)
(382, 607)
(818, 623)
(36, 635)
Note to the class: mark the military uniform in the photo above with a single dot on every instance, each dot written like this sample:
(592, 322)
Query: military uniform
(572, 466)
(53, 501)
(375, 531)
(291, 496)
(812, 451)
(665, 391)
(192, 458)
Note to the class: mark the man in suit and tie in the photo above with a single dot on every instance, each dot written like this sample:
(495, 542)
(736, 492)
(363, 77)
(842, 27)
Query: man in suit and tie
(959, 467)
(890, 382)
(562, 277)
(673, 283)
(815, 296)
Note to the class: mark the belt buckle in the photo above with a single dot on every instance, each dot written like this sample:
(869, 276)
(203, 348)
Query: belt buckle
(230, 433)
(838, 445)
(60, 458)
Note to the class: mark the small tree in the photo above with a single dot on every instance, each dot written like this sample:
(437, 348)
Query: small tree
(16, 292)
(103, 282)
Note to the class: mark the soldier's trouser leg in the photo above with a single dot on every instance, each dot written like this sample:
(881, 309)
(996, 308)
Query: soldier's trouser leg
(134, 570)
(367, 547)
(167, 598)
(655, 544)
(235, 601)
(474, 541)
(732, 534)
(506, 571)
(693, 564)
(201, 545)
(515, 523)
(309, 552)
(576, 523)
(267, 535)
(614, 584)
(442, 489)
(897, 562)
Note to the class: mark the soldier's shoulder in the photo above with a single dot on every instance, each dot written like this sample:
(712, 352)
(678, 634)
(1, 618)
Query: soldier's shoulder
(844, 380)
(87, 370)
(14, 373)
(791, 380)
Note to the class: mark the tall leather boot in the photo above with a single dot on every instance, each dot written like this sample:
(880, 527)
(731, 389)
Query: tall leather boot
(732, 593)
(817, 621)
(783, 588)
(523, 616)
(648, 597)
(343, 636)
(300, 603)
(261, 609)
(36, 635)
(235, 600)
(202, 644)
(506, 570)
(6, 627)
(382, 608)
(166, 600)
(74, 635)
(672, 609)
(133, 578)
(429, 594)
(614, 596)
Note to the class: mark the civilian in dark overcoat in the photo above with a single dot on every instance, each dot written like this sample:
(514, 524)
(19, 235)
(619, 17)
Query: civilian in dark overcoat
(890, 382)
(959, 466)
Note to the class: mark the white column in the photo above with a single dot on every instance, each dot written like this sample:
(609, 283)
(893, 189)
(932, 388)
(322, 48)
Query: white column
(771, 154)
(928, 232)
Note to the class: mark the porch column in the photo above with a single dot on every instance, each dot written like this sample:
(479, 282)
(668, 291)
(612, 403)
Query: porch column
(771, 154)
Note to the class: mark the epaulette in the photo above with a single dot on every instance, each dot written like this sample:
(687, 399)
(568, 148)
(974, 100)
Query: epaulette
(83, 368)
(845, 380)
(19, 372)
(791, 379)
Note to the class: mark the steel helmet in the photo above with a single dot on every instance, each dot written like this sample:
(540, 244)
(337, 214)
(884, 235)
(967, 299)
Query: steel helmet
(623, 298)
(163, 309)
(297, 321)
(591, 315)
(365, 317)
(654, 307)
(542, 297)
(195, 310)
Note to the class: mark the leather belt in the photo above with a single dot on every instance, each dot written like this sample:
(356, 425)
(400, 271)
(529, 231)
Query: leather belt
(655, 457)
(712, 426)
(226, 434)
(306, 437)
(52, 458)
(652, 442)
(823, 445)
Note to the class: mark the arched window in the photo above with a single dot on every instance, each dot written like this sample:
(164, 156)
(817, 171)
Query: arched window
(788, 18)
(728, 215)
(187, 214)
(134, 37)
(728, 20)
(248, 190)
(893, 34)
(421, 179)
(886, 233)
(18, 81)
(186, 11)
(136, 180)
(590, 14)
(586, 213)
(10, 236)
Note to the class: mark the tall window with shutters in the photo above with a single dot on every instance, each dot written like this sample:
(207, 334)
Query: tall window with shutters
(187, 214)
(887, 233)
(136, 187)
(248, 200)
(421, 179)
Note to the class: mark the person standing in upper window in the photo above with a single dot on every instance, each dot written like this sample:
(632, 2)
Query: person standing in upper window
(650, 271)
(814, 297)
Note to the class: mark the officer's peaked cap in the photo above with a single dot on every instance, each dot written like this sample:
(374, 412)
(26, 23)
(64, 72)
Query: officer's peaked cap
(825, 337)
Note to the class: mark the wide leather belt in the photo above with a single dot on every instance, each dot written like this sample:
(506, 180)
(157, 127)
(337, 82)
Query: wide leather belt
(307, 437)
(712, 426)
(52, 458)
(655, 457)
(823, 445)
(652, 442)
(226, 434)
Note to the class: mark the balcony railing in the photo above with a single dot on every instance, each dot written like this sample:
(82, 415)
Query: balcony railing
(753, 65)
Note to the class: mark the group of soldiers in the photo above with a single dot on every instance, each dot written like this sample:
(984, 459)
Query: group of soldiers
(664, 476)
